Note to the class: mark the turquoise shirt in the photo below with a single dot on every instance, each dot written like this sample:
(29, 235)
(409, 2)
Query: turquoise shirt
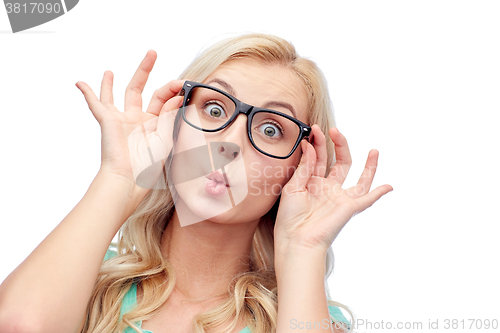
(130, 302)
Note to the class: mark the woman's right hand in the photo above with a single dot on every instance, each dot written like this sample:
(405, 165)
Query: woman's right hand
(133, 141)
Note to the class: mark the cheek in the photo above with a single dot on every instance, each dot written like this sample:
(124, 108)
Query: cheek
(269, 178)
(188, 138)
(190, 160)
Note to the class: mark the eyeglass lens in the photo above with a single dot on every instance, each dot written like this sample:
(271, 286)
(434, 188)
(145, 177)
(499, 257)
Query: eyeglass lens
(272, 133)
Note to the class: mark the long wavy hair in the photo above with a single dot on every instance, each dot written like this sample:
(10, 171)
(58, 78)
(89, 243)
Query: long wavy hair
(252, 296)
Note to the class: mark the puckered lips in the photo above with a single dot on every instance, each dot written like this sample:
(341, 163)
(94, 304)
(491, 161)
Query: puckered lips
(218, 177)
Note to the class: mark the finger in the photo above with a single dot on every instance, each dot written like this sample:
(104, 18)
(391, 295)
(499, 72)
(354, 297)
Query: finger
(133, 99)
(165, 125)
(318, 141)
(166, 122)
(369, 199)
(304, 170)
(366, 179)
(107, 88)
(173, 103)
(162, 95)
(343, 161)
(94, 104)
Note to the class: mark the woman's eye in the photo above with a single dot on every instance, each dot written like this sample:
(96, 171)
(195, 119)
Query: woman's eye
(270, 130)
(214, 110)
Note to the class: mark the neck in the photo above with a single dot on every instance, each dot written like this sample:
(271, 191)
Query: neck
(206, 256)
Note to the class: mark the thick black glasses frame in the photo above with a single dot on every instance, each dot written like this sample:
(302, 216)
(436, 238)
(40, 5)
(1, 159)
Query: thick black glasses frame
(245, 109)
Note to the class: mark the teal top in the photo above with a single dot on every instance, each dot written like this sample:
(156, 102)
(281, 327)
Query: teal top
(129, 302)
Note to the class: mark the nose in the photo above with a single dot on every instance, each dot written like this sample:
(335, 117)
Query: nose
(232, 138)
(228, 150)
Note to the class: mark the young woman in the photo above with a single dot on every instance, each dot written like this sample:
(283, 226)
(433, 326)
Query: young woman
(226, 196)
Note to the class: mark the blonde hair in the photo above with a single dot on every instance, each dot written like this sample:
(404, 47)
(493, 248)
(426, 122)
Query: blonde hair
(252, 296)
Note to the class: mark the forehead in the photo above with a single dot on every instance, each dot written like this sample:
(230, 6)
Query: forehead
(259, 84)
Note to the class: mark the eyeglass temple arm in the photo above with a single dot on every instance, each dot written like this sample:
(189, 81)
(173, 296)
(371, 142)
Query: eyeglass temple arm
(181, 92)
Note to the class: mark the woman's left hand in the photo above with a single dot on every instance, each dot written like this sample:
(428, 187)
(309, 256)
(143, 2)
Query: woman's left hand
(313, 208)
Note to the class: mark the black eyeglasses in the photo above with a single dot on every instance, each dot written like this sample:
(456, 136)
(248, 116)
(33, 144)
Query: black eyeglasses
(272, 133)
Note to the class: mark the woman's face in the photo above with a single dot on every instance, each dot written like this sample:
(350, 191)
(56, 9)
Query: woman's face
(255, 180)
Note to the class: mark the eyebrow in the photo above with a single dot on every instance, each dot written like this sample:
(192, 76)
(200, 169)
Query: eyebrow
(280, 104)
(225, 85)
(229, 89)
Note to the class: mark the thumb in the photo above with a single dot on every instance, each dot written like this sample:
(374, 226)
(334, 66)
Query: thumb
(304, 170)
(93, 102)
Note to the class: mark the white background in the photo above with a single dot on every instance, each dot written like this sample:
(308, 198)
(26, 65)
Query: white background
(419, 81)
